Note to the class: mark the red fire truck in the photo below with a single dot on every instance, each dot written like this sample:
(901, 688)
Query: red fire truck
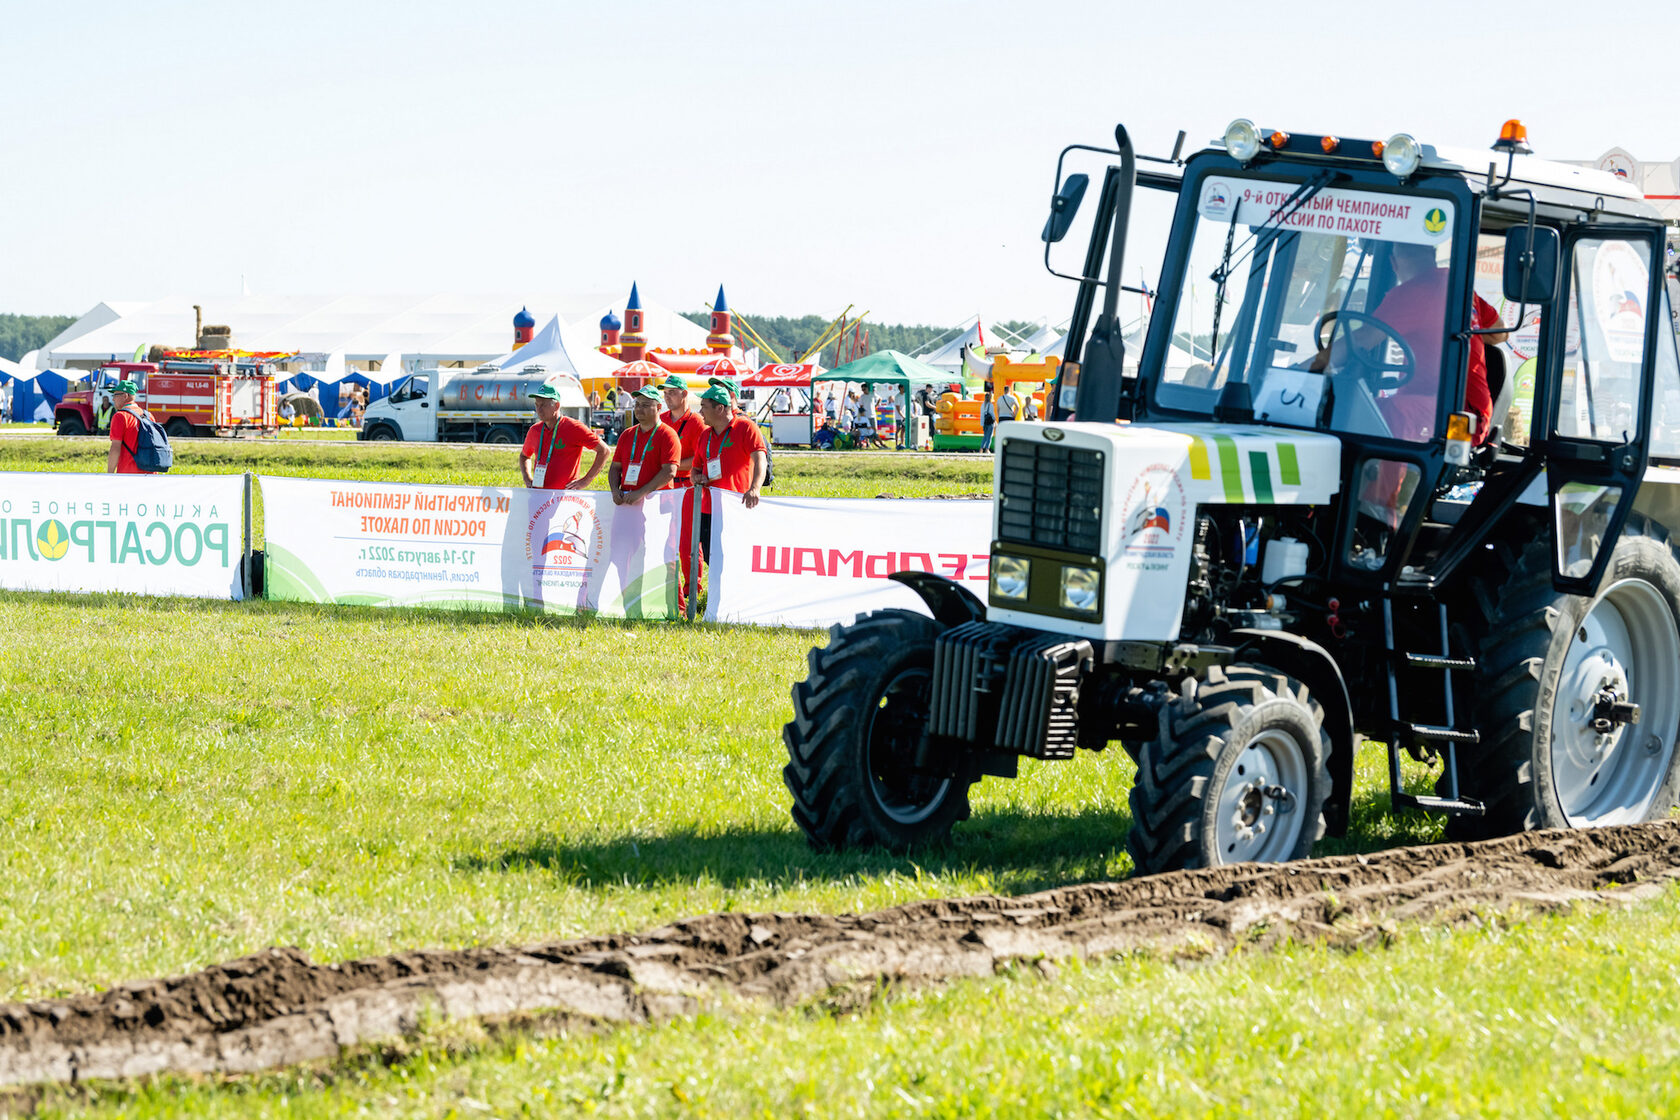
(187, 398)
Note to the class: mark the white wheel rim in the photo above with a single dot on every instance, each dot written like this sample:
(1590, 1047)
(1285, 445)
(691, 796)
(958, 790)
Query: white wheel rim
(1261, 809)
(1627, 645)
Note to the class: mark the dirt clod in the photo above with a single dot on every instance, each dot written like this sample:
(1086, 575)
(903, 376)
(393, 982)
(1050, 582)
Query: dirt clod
(277, 1007)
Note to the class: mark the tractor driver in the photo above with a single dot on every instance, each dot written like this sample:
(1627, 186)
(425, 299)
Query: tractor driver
(1415, 310)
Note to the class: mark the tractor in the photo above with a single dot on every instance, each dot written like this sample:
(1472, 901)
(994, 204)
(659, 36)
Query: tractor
(1323, 503)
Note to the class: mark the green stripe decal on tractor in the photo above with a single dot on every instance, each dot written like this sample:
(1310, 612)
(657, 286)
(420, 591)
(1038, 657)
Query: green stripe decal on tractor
(1230, 468)
(1199, 460)
(1289, 469)
(1261, 468)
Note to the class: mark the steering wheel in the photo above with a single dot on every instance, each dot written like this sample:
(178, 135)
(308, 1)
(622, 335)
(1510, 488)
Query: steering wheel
(1372, 360)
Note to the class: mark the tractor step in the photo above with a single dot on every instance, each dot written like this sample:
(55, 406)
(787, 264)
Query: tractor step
(1458, 807)
(1436, 661)
(1440, 734)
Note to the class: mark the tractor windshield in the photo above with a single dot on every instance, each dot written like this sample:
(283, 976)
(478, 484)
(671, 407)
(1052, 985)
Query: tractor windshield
(1329, 303)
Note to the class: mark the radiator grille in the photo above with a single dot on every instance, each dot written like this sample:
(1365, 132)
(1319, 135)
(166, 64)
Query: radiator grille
(1051, 496)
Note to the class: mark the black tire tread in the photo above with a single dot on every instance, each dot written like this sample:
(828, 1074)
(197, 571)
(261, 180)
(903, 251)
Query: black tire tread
(1176, 768)
(1518, 614)
(824, 738)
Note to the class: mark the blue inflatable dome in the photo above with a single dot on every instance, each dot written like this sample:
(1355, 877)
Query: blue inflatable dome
(611, 322)
(523, 320)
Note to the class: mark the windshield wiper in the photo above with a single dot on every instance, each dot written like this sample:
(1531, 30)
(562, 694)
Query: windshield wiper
(1270, 230)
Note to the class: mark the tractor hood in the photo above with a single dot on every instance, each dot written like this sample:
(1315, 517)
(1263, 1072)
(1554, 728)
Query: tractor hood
(1125, 496)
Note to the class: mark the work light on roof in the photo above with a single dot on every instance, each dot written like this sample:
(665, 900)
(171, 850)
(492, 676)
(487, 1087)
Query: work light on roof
(1242, 139)
(1401, 155)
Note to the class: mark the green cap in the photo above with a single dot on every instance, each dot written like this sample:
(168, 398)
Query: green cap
(124, 386)
(717, 394)
(544, 393)
(673, 382)
(729, 383)
(649, 392)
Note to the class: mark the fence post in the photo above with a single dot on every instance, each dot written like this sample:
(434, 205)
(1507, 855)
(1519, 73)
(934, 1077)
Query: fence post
(245, 563)
(697, 493)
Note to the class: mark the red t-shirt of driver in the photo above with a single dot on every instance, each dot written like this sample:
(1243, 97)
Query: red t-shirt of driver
(560, 448)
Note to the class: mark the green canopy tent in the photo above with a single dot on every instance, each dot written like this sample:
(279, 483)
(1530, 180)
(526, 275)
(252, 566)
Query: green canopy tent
(889, 367)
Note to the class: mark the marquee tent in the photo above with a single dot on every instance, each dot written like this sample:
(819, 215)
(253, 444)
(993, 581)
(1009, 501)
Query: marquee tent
(888, 367)
(430, 330)
(949, 357)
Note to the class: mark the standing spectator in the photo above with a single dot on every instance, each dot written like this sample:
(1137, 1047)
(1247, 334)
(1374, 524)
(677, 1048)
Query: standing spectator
(125, 429)
(988, 419)
(831, 407)
(1031, 408)
(729, 456)
(684, 420)
(595, 400)
(1009, 405)
(781, 401)
(645, 459)
(612, 396)
(733, 388)
(554, 446)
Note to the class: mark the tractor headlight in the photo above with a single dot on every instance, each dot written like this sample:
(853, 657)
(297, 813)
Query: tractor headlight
(1080, 587)
(1009, 577)
(1401, 155)
(1242, 140)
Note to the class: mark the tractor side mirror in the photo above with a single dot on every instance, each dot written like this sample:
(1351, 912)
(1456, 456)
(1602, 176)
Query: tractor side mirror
(1065, 205)
(1531, 268)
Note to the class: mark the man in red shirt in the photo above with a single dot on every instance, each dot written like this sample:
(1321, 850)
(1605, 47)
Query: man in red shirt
(554, 446)
(645, 459)
(125, 430)
(729, 455)
(684, 421)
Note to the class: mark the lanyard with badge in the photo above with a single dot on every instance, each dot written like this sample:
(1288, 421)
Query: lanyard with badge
(540, 473)
(715, 443)
(633, 470)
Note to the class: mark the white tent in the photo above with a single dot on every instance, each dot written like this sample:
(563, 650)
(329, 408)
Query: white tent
(949, 356)
(547, 351)
(1044, 338)
(435, 329)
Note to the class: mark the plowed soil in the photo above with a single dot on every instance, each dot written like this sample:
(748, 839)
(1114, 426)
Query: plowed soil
(277, 1007)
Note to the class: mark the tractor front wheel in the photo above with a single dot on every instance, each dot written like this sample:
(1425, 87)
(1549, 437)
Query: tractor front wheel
(858, 722)
(71, 425)
(1238, 772)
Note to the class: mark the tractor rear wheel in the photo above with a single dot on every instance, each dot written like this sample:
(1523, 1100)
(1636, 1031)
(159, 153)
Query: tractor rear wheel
(858, 720)
(1578, 700)
(1238, 772)
(71, 425)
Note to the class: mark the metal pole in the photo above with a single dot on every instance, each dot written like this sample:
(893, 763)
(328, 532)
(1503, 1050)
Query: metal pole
(693, 553)
(245, 564)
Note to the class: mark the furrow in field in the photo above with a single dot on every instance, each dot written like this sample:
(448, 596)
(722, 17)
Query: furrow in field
(277, 1007)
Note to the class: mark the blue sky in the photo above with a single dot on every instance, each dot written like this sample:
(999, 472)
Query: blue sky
(897, 156)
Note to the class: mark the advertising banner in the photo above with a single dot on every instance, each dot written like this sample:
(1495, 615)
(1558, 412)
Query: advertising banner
(489, 548)
(818, 561)
(146, 534)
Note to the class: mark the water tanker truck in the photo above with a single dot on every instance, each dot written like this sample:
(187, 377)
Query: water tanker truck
(1317, 511)
(485, 405)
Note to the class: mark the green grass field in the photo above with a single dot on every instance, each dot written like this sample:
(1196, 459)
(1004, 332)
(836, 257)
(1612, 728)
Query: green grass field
(356, 782)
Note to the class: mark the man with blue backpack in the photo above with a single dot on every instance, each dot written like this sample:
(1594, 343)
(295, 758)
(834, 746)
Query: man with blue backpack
(138, 445)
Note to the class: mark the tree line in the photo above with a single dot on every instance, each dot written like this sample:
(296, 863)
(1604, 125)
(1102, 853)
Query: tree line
(19, 334)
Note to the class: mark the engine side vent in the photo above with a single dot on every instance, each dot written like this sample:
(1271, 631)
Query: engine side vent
(1051, 496)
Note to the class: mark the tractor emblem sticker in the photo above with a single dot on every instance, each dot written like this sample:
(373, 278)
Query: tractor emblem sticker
(1154, 519)
(1435, 221)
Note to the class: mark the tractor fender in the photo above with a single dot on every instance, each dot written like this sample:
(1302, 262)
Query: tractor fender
(950, 603)
(1312, 665)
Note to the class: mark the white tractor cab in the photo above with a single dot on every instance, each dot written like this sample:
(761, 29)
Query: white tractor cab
(1291, 529)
